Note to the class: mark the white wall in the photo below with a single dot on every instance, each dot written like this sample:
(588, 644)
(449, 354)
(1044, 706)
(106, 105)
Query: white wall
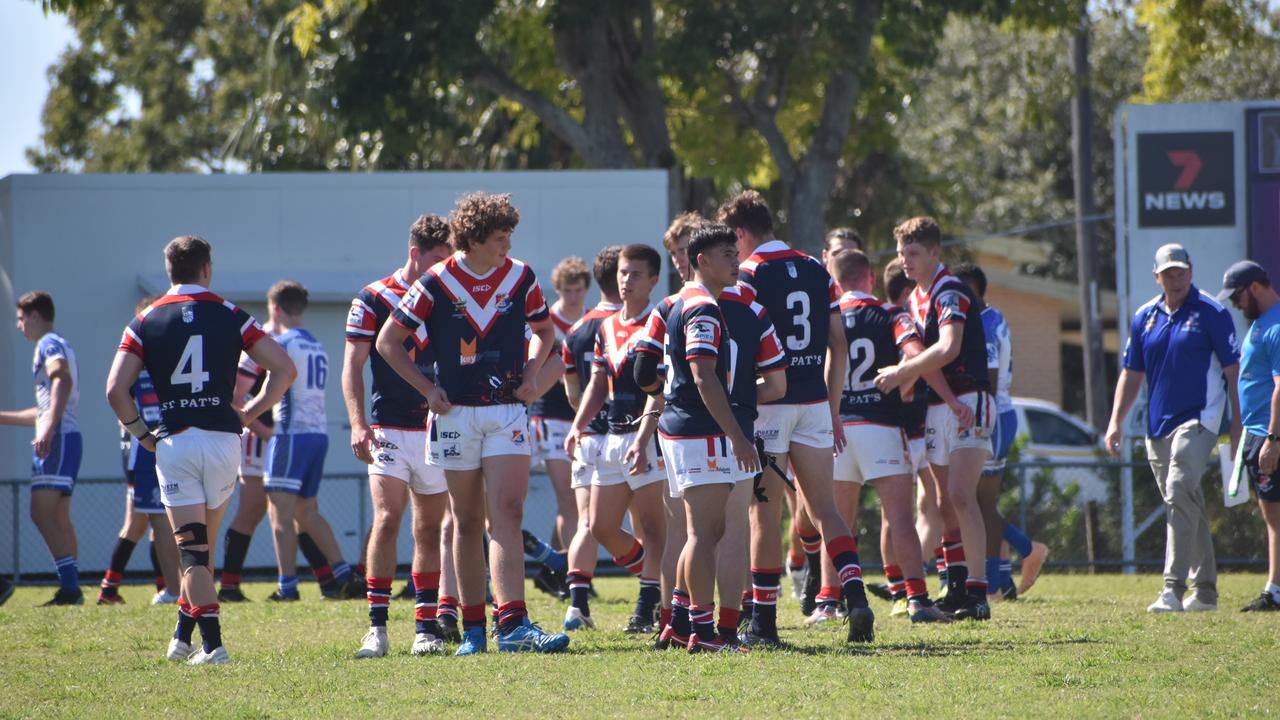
(94, 241)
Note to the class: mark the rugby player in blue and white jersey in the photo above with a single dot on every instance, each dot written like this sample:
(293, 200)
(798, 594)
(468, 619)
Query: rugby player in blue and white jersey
(189, 341)
(394, 446)
(1001, 534)
(57, 446)
(143, 508)
(295, 456)
(799, 429)
(475, 306)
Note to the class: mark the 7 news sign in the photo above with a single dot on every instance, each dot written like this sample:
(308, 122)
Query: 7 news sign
(1186, 179)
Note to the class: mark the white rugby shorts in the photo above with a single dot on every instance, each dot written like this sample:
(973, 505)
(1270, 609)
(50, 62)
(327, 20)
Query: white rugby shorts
(461, 438)
(402, 454)
(197, 466)
(781, 425)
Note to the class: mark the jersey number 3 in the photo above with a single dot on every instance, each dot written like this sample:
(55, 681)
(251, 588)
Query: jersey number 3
(800, 319)
(190, 369)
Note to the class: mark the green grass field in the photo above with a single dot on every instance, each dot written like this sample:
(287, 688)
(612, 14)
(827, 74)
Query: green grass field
(1076, 646)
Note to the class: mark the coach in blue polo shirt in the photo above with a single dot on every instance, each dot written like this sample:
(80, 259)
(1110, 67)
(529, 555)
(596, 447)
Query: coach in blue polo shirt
(1247, 286)
(1183, 343)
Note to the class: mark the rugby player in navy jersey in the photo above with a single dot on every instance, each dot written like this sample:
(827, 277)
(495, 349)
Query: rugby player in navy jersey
(551, 414)
(578, 354)
(876, 447)
(705, 441)
(143, 509)
(394, 446)
(474, 307)
(614, 489)
(798, 429)
(189, 341)
(946, 313)
(57, 445)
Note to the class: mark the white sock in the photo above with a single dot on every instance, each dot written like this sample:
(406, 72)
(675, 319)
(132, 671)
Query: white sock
(1273, 590)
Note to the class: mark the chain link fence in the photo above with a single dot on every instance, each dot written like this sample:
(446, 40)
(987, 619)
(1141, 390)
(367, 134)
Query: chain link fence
(1041, 497)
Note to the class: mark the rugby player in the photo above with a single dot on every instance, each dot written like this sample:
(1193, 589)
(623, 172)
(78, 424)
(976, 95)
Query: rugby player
(57, 445)
(252, 506)
(578, 355)
(551, 414)
(615, 485)
(1001, 534)
(474, 307)
(945, 312)
(705, 443)
(189, 342)
(876, 449)
(394, 446)
(798, 429)
(143, 509)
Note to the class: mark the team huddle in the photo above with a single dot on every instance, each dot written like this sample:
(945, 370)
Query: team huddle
(770, 381)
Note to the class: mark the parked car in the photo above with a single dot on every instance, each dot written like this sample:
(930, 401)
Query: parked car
(1050, 434)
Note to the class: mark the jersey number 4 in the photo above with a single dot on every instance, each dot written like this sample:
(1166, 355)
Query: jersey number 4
(190, 369)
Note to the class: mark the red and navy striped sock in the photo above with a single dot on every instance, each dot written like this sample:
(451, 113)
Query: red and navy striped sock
(186, 622)
(897, 584)
(206, 616)
(812, 546)
(844, 553)
(650, 596)
(511, 615)
(379, 593)
(680, 623)
(727, 621)
(703, 619)
(795, 559)
(829, 595)
(111, 583)
(917, 593)
(664, 617)
(765, 585)
(448, 609)
(472, 616)
(119, 559)
(748, 604)
(953, 555)
(633, 559)
(426, 588)
(580, 590)
(235, 549)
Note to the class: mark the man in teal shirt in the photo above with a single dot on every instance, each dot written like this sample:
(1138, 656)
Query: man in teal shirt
(1249, 289)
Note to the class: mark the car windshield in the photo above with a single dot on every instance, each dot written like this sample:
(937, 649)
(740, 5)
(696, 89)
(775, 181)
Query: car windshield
(1050, 429)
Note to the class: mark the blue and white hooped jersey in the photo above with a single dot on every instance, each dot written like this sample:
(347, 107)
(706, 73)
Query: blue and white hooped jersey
(49, 348)
(301, 410)
(999, 355)
(147, 401)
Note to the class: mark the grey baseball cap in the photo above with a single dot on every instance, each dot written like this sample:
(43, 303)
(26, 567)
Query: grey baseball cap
(1240, 275)
(1171, 255)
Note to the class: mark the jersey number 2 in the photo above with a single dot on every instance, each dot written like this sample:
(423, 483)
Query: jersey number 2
(857, 381)
(190, 369)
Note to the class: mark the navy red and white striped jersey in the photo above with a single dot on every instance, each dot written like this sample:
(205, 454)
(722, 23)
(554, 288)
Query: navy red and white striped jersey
(948, 300)
(396, 404)
(615, 358)
(874, 333)
(579, 354)
(554, 403)
(754, 347)
(476, 324)
(801, 297)
(190, 341)
(683, 327)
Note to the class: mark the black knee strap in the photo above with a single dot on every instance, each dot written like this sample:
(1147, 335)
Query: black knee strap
(189, 537)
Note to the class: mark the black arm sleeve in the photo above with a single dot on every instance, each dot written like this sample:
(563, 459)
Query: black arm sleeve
(646, 372)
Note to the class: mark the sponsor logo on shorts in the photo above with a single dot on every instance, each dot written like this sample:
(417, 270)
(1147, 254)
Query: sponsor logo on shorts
(517, 437)
(386, 458)
(769, 433)
(387, 445)
(712, 464)
(452, 451)
(171, 487)
(450, 435)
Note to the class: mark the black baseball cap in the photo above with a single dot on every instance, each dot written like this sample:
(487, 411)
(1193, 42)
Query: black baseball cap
(1240, 275)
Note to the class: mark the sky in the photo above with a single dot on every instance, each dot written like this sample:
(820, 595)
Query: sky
(29, 44)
